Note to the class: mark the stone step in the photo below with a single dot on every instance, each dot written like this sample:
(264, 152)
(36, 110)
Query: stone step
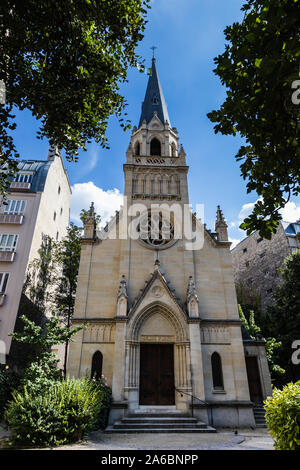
(160, 415)
(153, 422)
(158, 420)
(119, 425)
(208, 429)
(259, 416)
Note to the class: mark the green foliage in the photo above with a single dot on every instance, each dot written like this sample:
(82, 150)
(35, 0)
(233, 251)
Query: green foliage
(272, 356)
(43, 370)
(62, 414)
(282, 318)
(41, 275)
(64, 62)
(84, 214)
(67, 258)
(259, 67)
(283, 417)
(250, 324)
(51, 279)
(9, 381)
(270, 343)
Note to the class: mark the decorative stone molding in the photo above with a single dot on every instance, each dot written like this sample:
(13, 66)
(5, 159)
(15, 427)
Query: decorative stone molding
(192, 299)
(122, 298)
(215, 335)
(99, 333)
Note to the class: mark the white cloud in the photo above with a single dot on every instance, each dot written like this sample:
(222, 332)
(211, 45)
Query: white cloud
(105, 202)
(246, 210)
(291, 212)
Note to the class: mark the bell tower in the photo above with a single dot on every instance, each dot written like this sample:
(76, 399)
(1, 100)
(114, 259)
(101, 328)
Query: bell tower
(155, 168)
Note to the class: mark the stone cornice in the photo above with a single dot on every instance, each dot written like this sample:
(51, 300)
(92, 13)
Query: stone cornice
(217, 321)
(155, 167)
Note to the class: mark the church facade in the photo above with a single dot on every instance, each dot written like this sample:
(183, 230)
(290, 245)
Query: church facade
(162, 318)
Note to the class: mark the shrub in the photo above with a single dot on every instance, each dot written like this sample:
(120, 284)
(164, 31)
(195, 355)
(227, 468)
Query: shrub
(102, 419)
(283, 416)
(62, 414)
(9, 381)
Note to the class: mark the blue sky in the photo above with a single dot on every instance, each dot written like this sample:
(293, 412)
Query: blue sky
(188, 35)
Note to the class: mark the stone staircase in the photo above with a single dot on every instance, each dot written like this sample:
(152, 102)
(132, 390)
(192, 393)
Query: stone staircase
(259, 416)
(155, 421)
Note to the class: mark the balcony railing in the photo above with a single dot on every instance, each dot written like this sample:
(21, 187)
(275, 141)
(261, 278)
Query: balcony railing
(20, 186)
(11, 219)
(7, 256)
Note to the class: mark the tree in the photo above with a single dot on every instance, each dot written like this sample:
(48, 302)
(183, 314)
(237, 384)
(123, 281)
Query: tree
(42, 275)
(283, 316)
(67, 256)
(43, 369)
(271, 343)
(64, 62)
(260, 68)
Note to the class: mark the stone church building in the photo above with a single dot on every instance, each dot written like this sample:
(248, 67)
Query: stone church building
(163, 324)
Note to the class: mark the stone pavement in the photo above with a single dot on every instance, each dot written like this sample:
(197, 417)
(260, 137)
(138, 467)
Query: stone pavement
(224, 439)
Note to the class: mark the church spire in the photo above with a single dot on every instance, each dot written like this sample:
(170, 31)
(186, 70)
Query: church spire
(221, 226)
(154, 99)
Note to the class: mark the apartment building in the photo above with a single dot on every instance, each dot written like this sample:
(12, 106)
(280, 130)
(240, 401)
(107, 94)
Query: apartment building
(37, 204)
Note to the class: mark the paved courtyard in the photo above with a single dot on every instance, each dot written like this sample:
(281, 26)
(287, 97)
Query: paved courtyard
(224, 439)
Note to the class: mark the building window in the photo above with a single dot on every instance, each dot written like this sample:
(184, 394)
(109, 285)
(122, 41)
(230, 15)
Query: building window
(61, 211)
(8, 242)
(262, 254)
(259, 240)
(137, 150)
(97, 362)
(217, 374)
(54, 216)
(23, 177)
(3, 282)
(155, 148)
(58, 190)
(244, 250)
(57, 235)
(14, 206)
(247, 264)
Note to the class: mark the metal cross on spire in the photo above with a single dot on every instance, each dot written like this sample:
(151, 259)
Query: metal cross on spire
(153, 49)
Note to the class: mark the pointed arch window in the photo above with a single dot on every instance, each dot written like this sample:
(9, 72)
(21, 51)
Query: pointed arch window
(137, 149)
(97, 362)
(155, 147)
(217, 374)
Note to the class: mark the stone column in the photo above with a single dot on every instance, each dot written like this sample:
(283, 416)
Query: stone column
(132, 374)
(119, 361)
(196, 360)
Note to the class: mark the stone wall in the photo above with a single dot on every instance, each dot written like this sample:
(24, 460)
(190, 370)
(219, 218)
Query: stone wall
(256, 262)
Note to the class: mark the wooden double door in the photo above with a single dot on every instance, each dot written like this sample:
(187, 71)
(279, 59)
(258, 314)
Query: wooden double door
(255, 390)
(157, 374)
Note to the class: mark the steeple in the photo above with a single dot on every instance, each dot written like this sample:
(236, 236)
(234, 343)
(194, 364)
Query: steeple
(154, 100)
(221, 226)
